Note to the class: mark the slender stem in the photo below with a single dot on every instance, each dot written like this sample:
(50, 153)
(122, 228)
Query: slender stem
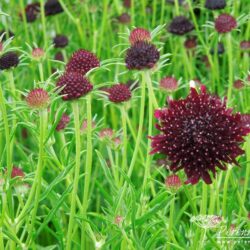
(38, 179)
(124, 137)
(75, 108)
(230, 66)
(88, 169)
(225, 188)
(171, 219)
(204, 199)
(138, 141)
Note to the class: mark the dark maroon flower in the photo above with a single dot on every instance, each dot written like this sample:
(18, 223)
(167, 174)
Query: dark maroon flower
(215, 4)
(9, 60)
(63, 122)
(124, 18)
(169, 83)
(139, 34)
(220, 49)
(8, 34)
(142, 55)
(106, 133)
(173, 182)
(180, 25)
(37, 98)
(119, 93)
(245, 120)
(238, 84)
(225, 23)
(17, 172)
(52, 7)
(31, 11)
(74, 86)
(199, 133)
(59, 56)
(245, 45)
(127, 3)
(190, 43)
(60, 41)
(82, 61)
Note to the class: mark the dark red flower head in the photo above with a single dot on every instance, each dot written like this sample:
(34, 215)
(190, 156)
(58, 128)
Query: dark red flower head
(63, 122)
(52, 7)
(37, 53)
(59, 56)
(37, 98)
(238, 84)
(190, 43)
(215, 4)
(180, 25)
(245, 45)
(74, 85)
(139, 34)
(199, 133)
(17, 172)
(60, 41)
(142, 55)
(31, 11)
(124, 18)
(119, 93)
(225, 23)
(127, 3)
(82, 61)
(169, 83)
(9, 60)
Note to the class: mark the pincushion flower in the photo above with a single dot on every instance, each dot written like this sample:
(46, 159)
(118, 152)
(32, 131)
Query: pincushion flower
(139, 34)
(38, 98)
(119, 93)
(215, 4)
(9, 60)
(73, 85)
(224, 23)
(82, 61)
(142, 55)
(198, 134)
(180, 25)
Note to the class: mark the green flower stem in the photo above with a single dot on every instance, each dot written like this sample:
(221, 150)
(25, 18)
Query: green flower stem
(88, 169)
(177, 9)
(225, 189)
(9, 200)
(147, 79)
(138, 141)
(75, 107)
(40, 166)
(230, 66)
(171, 219)
(114, 166)
(43, 23)
(40, 67)
(213, 192)
(203, 210)
(124, 138)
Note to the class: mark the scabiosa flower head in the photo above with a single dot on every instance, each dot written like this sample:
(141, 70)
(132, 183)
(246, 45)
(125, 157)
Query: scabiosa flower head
(169, 83)
(238, 84)
(190, 43)
(82, 61)
(199, 133)
(225, 23)
(142, 55)
(17, 172)
(124, 18)
(127, 3)
(37, 53)
(85, 125)
(52, 7)
(118, 219)
(31, 12)
(38, 98)
(220, 49)
(245, 120)
(74, 85)
(9, 60)
(64, 121)
(180, 25)
(215, 4)
(173, 182)
(119, 93)
(139, 34)
(60, 41)
(245, 45)
(59, 56)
